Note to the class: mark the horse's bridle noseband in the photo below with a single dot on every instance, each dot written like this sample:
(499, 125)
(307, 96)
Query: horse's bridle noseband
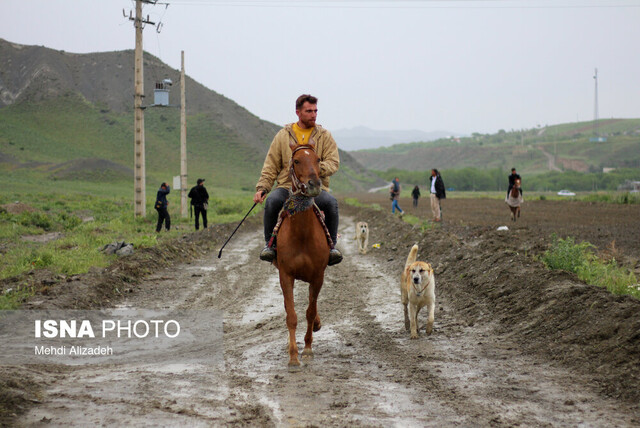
(300, 187)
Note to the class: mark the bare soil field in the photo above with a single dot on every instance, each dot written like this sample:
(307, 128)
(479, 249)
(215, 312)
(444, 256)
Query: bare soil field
(514, 344)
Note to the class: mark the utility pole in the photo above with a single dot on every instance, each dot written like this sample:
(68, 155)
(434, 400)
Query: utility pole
(183, 142)
(595, 108)
(139, 179)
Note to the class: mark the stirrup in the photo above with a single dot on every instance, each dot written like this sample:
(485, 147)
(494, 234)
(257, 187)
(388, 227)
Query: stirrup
(335, 257)
(267, 254)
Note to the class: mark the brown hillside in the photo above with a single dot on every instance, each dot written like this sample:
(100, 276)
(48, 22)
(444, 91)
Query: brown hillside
(33, 73)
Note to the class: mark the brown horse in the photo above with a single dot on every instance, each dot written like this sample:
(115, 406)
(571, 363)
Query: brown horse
(514, 199)
(303, 249)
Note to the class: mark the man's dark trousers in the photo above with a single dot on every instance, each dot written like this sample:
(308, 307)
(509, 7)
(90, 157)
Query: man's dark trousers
(199, 209)
(278, 197)
(163, 216)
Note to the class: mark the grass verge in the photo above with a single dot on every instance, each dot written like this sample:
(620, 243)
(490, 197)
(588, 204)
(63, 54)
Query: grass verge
(580, 259)
(63, 232)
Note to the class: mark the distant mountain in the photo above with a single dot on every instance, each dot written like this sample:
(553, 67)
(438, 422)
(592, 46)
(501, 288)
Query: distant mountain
(57, 107)
(360, 137)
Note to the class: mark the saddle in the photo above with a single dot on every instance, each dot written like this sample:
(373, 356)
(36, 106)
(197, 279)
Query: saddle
(295, 204)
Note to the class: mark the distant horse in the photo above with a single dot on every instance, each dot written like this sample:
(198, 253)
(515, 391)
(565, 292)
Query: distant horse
(514, 199)
(303, 247)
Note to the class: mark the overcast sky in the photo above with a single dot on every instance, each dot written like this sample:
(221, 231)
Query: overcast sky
(458, 66)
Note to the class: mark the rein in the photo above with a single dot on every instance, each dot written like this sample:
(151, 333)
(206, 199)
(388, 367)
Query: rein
(515, 190)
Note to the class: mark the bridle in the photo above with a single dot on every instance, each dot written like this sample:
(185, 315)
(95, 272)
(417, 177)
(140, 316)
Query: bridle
(299, 186)
(516, 185)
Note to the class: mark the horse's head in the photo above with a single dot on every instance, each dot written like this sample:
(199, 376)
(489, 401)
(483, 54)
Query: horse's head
(515, 190)
(304, 169)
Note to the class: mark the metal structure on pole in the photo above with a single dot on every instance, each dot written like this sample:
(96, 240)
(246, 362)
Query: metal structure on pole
(183, 143)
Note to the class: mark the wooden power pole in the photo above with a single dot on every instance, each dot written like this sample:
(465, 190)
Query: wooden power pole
(183, 143)
(139, 179)
(138, 125)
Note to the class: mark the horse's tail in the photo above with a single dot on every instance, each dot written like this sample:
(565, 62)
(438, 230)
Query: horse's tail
(412, 256)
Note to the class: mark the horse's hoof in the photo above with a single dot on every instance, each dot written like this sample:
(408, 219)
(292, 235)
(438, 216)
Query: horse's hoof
(307, 354)
(294, 366)
(317, 325)
(414, 336)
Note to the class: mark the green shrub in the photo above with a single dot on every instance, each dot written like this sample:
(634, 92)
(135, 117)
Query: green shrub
(39, 259)
(67, 221)
(565, 254)
(36, 219)
(579, 258)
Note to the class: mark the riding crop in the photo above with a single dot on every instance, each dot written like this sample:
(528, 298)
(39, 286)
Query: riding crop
(237, 227)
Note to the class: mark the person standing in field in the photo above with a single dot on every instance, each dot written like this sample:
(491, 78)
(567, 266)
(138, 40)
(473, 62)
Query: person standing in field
(437, 194)
(415, 194)
(162, 206)
(395, 195)
(200, 202)
(275, 168)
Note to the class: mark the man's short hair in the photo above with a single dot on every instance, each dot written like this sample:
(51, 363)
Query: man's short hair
(305, 98)
(513, 169)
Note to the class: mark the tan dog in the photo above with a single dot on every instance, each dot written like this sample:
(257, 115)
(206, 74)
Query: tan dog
(362, 237)
(418, 289)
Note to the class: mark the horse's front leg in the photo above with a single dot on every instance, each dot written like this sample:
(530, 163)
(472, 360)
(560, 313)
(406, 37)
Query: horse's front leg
(286, 283)
(313, 320)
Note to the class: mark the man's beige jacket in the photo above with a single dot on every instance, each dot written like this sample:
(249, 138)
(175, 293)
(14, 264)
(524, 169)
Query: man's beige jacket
(276, 165)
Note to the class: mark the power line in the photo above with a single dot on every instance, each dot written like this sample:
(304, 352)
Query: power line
(403, 4)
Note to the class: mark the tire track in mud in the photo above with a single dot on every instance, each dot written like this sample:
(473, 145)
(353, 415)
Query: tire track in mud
(366, 371)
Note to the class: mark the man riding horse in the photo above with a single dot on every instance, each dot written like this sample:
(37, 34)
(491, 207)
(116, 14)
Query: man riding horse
(276, 168)
(512, 181)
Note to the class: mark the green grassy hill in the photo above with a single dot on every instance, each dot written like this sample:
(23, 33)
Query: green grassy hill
(564, 147)
(68, 138)
(43, 137)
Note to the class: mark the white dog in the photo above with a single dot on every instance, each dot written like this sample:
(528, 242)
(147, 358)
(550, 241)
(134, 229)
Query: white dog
(418, 289)
(362, 236)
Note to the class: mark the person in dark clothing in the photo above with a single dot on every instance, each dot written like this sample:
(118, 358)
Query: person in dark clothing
(415, 194)
(200, 202)
(161, 206)
(437, 193)
(512, 181)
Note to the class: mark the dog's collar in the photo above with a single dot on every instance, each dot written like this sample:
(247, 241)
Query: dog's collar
(419, 293)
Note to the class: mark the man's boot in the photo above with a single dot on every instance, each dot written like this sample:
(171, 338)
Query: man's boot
(267, 254)
(335, 257)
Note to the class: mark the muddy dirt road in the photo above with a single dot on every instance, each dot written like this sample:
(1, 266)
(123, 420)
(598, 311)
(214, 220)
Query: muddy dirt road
(513, 345)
